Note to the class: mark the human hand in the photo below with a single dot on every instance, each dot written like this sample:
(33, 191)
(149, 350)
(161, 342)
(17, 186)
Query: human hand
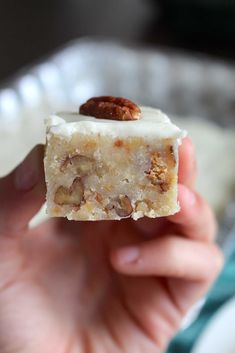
(85, 287)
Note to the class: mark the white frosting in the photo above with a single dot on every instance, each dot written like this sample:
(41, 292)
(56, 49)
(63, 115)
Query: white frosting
(152, 124)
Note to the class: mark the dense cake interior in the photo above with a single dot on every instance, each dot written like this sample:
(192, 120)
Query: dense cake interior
(92, 177)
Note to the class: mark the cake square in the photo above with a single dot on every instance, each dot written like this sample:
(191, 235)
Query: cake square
(111, 162)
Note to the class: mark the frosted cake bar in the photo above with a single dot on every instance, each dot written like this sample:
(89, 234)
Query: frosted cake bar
(110, 161)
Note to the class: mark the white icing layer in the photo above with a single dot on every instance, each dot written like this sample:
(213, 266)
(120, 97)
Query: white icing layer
(152, 124)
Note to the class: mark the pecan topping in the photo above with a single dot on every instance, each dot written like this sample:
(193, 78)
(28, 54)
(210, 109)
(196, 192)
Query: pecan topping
(114, 108)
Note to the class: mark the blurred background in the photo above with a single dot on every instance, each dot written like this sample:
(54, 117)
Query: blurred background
(176, 55)
(30, 29)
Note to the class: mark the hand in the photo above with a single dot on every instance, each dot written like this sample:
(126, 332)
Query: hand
(103, 287)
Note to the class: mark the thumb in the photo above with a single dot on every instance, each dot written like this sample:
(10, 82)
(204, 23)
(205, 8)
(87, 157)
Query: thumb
(22, 192)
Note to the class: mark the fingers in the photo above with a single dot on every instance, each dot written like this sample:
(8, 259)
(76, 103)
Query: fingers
(187, 163)
(22, 192)
(196, 219)
(169, 256)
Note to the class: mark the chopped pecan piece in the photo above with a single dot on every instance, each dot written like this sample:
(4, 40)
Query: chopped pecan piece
(124, 208)
(108, 107)
(71, 196)
(170, 155)
(158, 172)
(98, 197)
(83, 165)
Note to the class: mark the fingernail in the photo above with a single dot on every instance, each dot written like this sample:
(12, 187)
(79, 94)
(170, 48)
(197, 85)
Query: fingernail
(128, 255)
(27, 173)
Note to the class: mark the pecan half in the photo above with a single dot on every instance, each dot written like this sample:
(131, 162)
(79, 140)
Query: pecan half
(71, 196)
(108, 107)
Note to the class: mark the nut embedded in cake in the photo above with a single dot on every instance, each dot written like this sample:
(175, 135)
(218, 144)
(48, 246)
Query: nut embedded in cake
(99, 168)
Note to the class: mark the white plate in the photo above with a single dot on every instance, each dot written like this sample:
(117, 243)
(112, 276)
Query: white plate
(219, 335)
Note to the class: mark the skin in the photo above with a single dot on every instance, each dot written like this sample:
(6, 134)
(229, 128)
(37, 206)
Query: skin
(115, 287)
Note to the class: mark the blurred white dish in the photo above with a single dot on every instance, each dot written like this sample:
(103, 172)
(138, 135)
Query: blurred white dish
(215, 148)
(219, 335)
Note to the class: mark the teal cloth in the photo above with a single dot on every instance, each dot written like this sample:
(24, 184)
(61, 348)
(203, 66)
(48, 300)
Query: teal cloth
(222, 291)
